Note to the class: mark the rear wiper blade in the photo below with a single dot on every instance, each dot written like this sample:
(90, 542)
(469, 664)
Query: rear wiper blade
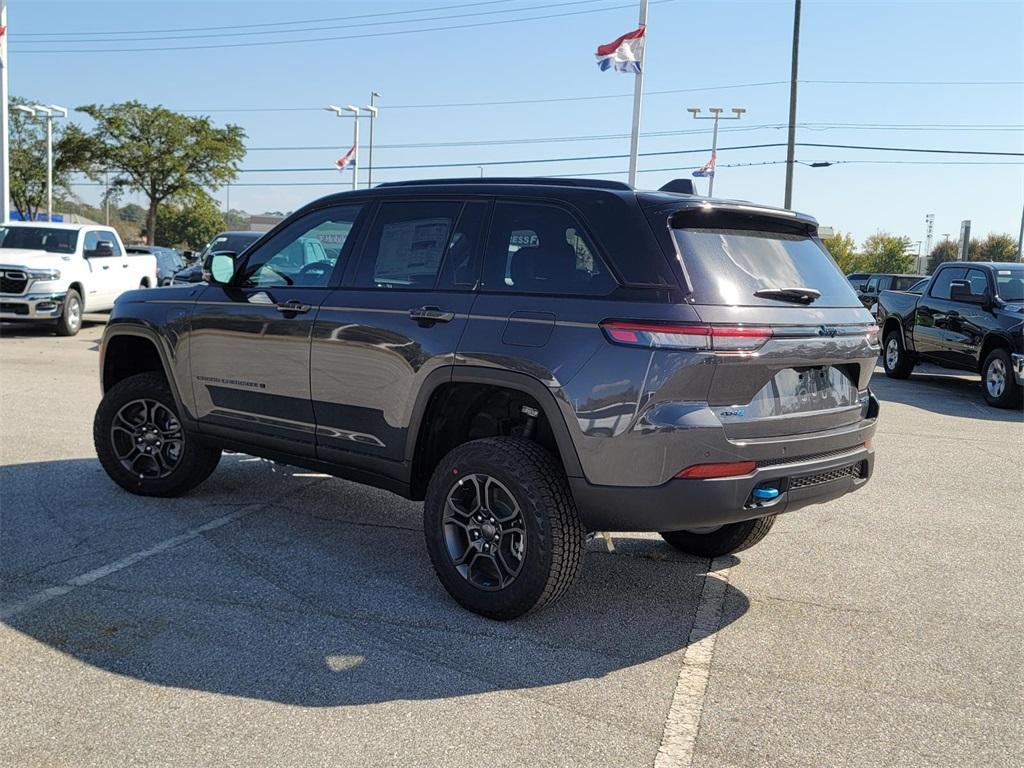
(799, 295)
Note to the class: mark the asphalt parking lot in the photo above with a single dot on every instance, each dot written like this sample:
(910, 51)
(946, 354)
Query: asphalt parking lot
(281, 618)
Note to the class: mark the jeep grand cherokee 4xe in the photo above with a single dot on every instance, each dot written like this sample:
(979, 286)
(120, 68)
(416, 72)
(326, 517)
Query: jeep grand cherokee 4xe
(535, 359)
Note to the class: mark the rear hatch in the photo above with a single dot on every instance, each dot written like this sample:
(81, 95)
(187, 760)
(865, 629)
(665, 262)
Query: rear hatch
(798, 347)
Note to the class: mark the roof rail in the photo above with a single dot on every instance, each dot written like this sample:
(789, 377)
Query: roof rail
(530, 180)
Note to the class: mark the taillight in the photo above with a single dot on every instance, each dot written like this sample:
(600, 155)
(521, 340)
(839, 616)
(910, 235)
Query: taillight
(727, 338)
(723, 469)
(871, 332)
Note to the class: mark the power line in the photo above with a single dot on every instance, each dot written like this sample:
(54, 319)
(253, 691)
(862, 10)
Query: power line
(647, 134)
(95, 33)
(264, 43)
(321, 28)
(913, 82)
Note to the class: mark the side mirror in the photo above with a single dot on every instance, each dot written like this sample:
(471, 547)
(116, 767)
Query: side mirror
(104, 248)
(188, 256)
(222, 268)
(960, 290)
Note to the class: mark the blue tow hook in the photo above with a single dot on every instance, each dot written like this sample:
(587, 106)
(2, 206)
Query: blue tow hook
(765, 493)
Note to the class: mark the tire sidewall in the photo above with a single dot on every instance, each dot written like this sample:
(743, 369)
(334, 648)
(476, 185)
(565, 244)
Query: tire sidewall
(1011, 392)
(64, 328)
(893, 336)
(135, 388)
(529, 585)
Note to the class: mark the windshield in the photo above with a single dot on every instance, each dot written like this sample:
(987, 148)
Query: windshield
(39, 239)
(1010, 284)
(235, 242)
(728, 266)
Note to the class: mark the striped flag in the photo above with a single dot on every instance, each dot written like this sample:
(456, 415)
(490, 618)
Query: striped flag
(625, 54)
(708, 169)
(342, 162)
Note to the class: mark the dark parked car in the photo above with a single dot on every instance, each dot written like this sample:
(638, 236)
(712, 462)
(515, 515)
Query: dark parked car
(971, 317)
(533, 358)
(236, 242)
(168, 260)
(876, 283)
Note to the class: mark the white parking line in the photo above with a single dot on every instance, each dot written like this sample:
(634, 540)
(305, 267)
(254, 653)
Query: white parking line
(680, 735)
(44, 596)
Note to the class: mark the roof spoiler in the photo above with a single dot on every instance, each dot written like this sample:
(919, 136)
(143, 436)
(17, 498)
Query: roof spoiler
(680, 186)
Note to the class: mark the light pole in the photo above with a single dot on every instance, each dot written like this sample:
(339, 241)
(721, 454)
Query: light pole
(481, 171)
(5, 176)
(39, 109)
(716, 115)
(373, 118)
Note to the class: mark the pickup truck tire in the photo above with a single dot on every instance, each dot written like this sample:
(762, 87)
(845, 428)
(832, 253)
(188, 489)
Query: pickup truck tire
(501, 527)
(896, 360)
(730, 538)
(141, 443)
(70, 321)
(997, 380)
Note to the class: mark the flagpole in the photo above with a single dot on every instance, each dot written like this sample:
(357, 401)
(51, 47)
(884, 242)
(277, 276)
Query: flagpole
(638, 97)
(5, 165)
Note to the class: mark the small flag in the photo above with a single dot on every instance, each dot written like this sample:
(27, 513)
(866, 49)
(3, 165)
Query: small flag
(343, 161)
(626, 54)
(708, 169)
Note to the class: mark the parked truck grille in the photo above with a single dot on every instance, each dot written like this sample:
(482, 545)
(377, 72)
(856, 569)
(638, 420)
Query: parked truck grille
(13, 281)
(806, 481)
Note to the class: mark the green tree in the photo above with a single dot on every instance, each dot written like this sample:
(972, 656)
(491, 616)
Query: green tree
(883, 252)
(28, 159)
(944, 251)
(160, 153)
(188, 222)
(995, 248)
(843, 251)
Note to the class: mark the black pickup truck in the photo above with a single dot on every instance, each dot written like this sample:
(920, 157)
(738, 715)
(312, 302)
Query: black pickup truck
(970, 317)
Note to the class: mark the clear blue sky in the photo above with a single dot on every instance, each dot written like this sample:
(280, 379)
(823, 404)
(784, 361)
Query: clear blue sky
(692, 45)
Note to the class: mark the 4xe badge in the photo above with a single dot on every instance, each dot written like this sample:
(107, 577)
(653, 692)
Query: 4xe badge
(733, 414)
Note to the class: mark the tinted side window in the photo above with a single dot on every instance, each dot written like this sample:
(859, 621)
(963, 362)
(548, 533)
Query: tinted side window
(978, 281)
(872, 286)
(542, 249)
(110, 237)
(460, 265)
(406, 244)
(303, 254)
(89, 244)
(940, 286)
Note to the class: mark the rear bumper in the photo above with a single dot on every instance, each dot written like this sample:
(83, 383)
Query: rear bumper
(684, 504)
(31, 306)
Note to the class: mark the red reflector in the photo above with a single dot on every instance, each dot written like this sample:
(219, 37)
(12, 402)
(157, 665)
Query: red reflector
(725, 469)
(868, 445)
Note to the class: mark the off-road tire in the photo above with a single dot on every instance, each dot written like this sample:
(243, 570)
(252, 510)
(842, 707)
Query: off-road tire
(70, 321)
(730, 538)
(555, 537)
(897, 362)
(196, 462)
(1010, 395)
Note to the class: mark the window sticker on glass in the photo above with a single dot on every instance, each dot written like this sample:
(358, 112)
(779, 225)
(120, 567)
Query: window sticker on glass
(409, 248)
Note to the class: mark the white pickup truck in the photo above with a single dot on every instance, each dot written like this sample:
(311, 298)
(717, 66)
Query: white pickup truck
(57, 272)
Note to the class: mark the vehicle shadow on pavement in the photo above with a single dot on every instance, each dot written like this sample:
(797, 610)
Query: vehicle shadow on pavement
(942, 392)
(16, 329)
(320, 594)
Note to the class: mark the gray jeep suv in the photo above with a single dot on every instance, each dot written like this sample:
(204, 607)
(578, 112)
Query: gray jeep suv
(534, 358)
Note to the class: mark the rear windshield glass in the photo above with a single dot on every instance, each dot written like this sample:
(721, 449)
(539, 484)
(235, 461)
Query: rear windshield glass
(903, 283)
(727, 266)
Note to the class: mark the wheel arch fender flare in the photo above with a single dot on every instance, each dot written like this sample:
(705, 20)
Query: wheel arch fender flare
(894, 321)
(522, 382)
(992, 340)
(158, 343)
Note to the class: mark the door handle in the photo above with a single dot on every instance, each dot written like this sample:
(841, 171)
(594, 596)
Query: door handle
(293, 307)
(106, 266)
(429, 315)
(124, 266)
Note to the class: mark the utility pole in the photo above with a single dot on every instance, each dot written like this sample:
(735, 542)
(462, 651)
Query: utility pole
(1020, 237)
(716, 115)
(791, 144)
(638, 97)
(106, 197)
(5, 163)
(373, 119)
(929, 230)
